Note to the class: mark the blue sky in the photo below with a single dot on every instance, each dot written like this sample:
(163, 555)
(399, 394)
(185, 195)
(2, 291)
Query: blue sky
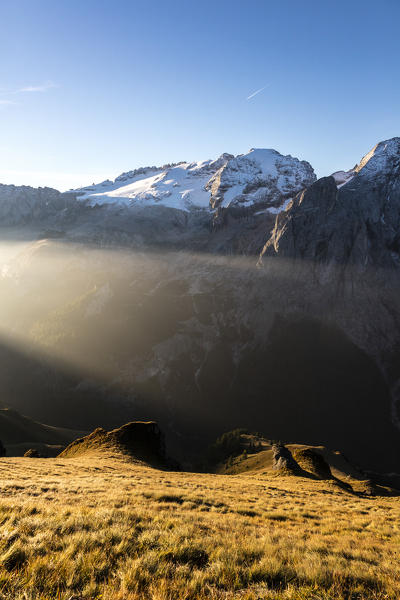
(89, 89)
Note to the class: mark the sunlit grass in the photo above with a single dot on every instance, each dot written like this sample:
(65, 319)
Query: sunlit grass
(106, 528)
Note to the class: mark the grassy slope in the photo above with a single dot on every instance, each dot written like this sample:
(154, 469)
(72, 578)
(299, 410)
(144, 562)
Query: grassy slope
(343, 472)
(262, 463)
(104, 527)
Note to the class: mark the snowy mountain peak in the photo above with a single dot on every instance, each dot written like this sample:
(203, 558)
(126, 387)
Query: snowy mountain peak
(261, 177)
(381, 157)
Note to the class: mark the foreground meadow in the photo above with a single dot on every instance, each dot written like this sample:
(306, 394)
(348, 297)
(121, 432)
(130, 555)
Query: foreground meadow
(104, 527)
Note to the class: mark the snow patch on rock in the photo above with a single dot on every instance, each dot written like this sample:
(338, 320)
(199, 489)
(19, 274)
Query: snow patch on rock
(180, 186)
(343, 177)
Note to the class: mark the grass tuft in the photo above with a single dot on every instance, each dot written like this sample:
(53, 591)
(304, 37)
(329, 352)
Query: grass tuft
(14, 558)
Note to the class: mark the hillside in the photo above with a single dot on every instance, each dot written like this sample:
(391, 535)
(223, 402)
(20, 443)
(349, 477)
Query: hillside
(242, 452)
(142, 441)
(18, 433)
(315, 462)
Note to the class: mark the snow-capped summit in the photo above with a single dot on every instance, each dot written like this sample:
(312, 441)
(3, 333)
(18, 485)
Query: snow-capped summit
(260, 178)
(382, 159)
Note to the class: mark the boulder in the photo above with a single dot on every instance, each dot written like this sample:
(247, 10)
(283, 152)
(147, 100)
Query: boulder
(283, 459)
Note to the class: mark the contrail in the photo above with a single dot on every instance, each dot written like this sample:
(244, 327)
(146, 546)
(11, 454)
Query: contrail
(255, 93)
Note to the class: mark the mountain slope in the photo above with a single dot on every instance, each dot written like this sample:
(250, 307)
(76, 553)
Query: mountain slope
(19, 433)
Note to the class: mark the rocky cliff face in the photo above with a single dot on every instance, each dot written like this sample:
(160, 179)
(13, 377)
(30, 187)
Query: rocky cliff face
(339, 244)
(260, 178)
(23, 204)
(344, 242)
(354, 225)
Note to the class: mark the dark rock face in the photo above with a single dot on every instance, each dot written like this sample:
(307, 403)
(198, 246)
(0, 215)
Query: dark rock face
(304, 231)
(2, 450)
(339, 250)
(141, 439)
(24, 204)
(283, 459)
(354, 226)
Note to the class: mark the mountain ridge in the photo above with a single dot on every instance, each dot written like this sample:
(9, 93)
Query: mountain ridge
(258, 178)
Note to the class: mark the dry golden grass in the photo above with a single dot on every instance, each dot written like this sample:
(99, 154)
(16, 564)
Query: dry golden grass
(103, 527)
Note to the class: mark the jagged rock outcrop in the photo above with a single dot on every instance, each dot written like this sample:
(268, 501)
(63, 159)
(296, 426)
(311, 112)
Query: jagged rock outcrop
(259, 178)
(283, 459)
(355, 225)
(23, 204)
(142, 440)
